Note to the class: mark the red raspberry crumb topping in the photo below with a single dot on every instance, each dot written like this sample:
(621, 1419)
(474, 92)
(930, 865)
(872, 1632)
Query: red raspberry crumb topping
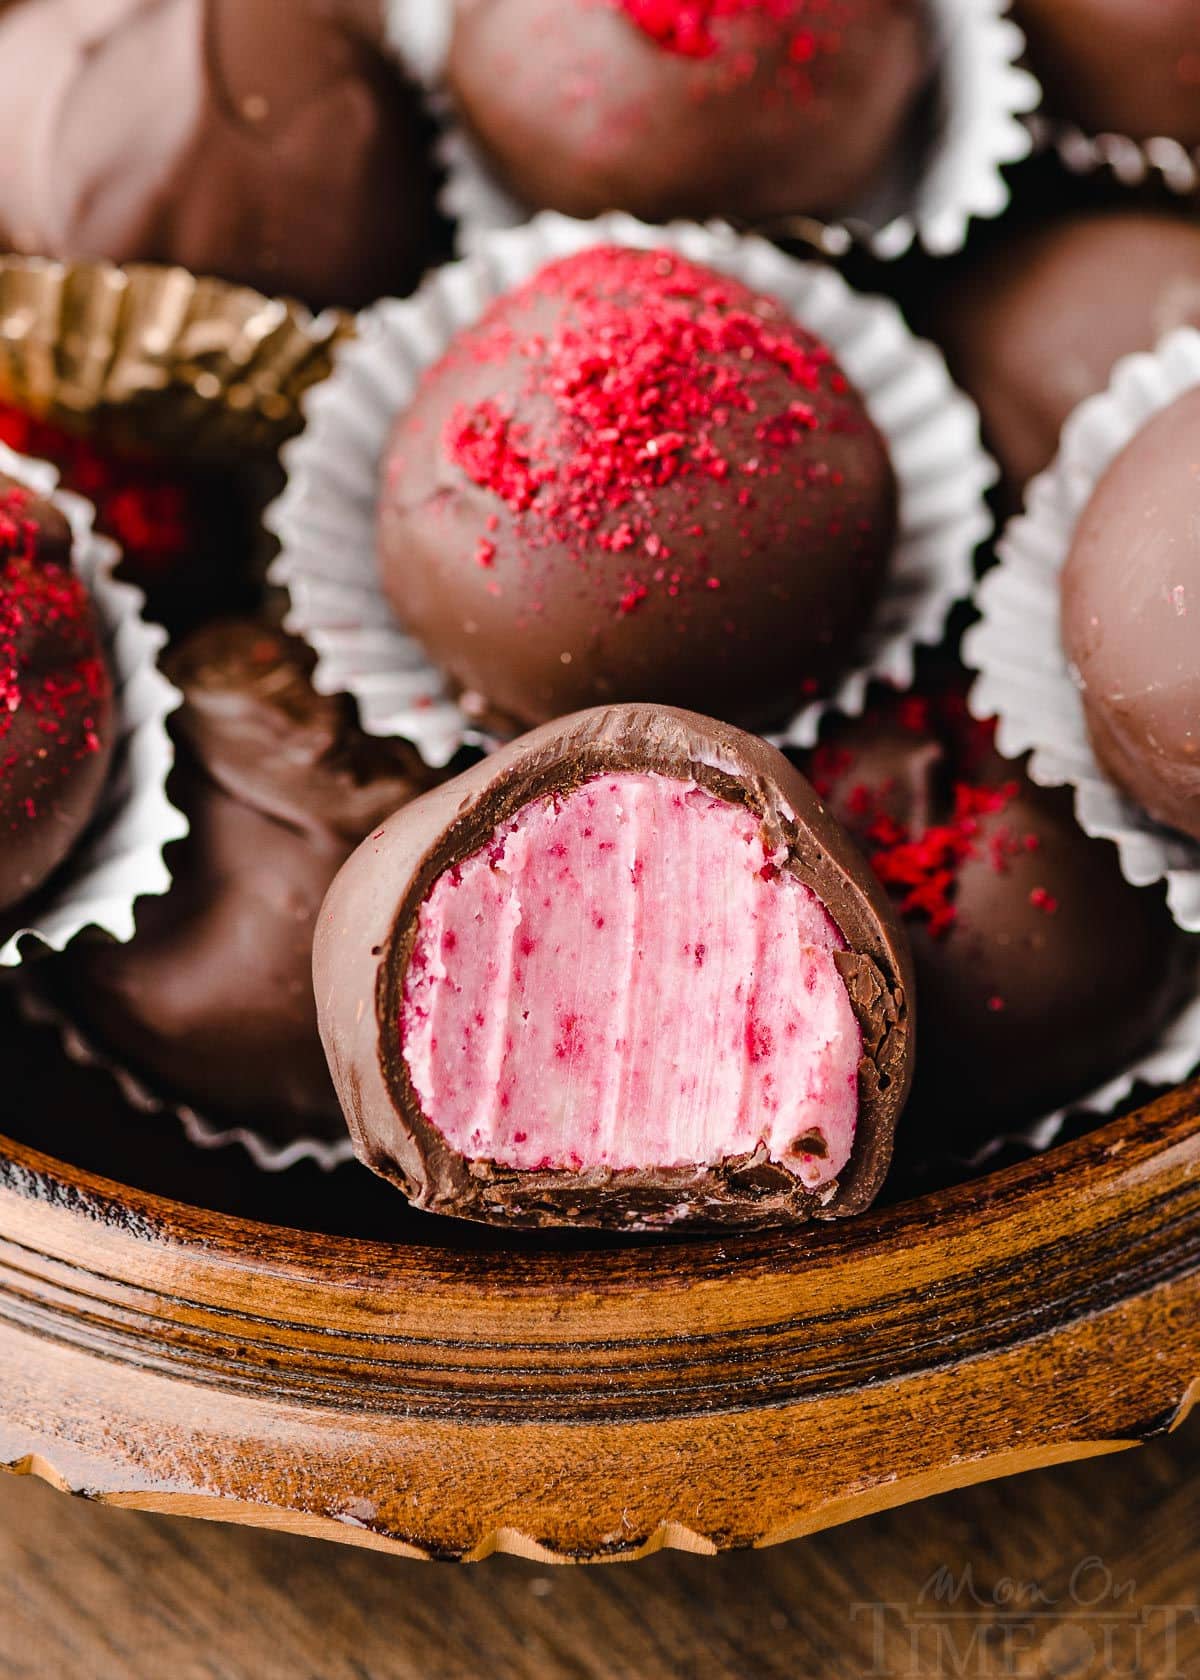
(693, 29)
(633, 392)
(58, 696)
(921, 867)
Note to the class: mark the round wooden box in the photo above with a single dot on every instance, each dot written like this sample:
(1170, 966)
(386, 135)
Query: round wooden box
(444, 1392)
(179, 1332)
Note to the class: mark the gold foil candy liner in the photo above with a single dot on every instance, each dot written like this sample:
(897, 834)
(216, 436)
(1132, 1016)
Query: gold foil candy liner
(158, 356)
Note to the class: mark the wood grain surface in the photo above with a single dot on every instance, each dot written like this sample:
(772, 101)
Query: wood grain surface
(454, 1392)
(1082, 1572)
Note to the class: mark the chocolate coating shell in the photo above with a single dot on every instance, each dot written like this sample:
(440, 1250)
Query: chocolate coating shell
(57, 717)
(368, 925)
(212, 1000)
(741, 594)
(1118, 66)
(581, 110)
(269, 144)
(1131, 616)
(1055, 973)
(1036, 323)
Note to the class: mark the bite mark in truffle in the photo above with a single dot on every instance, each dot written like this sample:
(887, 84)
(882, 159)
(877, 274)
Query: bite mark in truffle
(623, 977)
(625, 972)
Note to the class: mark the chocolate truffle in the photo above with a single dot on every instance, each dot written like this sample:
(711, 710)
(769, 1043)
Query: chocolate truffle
(625, 972)
(57, 719)
(747, 109)
(1035, 323)
(1131, 616)
(635, 479)
(1041, 972)
(1118, 66)
(211, 1003)
(264, 141)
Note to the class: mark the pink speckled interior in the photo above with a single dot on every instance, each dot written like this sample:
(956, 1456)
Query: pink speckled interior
(623, 978)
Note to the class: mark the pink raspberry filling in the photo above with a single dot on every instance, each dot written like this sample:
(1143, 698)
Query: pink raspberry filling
(624, 978)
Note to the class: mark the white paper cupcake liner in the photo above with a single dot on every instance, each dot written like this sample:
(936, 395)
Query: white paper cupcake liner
(269, 1154)
(120, 858)
(325, 518)
(982, 94)
(1024, 679)
(1131, 162)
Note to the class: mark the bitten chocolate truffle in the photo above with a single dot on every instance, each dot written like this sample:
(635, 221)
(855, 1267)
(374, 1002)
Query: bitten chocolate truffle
(1131, 616)
(625, 972)
(1041, 972)
(211, 1003)
(57, 720)
(1118, 66)
(264, 141)
(636, 479)
(746, 109)
(1035, 323)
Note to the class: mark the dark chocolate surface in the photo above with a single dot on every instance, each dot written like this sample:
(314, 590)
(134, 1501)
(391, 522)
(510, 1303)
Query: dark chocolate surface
(212, 1002)
(1118, 66)
(265, 141)
(778, 111)
(1034, 323)
(57, 720)
(1131, 616)
(368, 925)
(1041, 972)
(636, 479)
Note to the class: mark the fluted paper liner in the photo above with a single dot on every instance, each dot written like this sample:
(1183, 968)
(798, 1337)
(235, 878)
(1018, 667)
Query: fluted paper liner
(186, 365)
(1024, 679)
(120, 857)
(269, 1154)
(980, 90)
(1131, 162)
(325, 519)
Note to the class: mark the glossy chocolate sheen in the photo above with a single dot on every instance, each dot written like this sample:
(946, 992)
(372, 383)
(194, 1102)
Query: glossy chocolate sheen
(1131, 616)
(57, 718)
(786, 110)
(1036, 322)
(264, 141)
(367, 930)
(1054, 973)
(738, 584)
(1128, 67)
(212, 1001)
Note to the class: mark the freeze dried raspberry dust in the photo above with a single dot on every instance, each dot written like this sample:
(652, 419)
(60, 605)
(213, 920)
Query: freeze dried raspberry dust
(39, 596)
(693, 27)
(634, 391)
(918, 846)
(55, 694)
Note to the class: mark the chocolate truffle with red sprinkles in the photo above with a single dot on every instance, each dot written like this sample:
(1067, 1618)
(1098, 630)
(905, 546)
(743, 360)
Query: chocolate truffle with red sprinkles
(636, 479)
(747, 109)
(57, 723)
(1041, 972)
(624, 972)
